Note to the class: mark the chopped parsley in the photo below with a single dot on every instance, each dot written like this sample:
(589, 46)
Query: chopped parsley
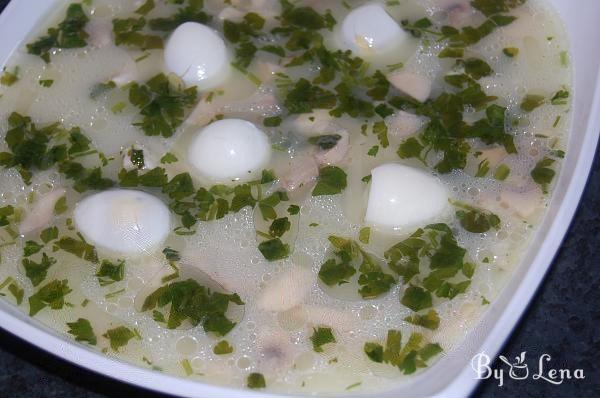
(128, 32)
(511, 52)
(82, 331)
(332, 181)
(119, 337)
(189, 301)
(274, 249)
(37, 272)
(162, 106)
(70, 33)
(9, 78)
(320, 337)
(414, 354)
(436, 246)
(168, 158)
(475, 220)
(431, 320)
(110, 272)
(542, 174)
(50, 295)
(256, 381)
(532, 102)
(373, 281)
(325, 141)
(222, 348)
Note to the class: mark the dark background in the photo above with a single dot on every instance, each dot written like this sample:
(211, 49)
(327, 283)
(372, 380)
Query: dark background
(563, 321)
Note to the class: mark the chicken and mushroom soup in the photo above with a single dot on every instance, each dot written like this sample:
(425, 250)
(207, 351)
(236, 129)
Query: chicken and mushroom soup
(301, 196)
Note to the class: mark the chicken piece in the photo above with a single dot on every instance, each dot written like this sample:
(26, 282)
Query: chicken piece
(42, 213)
(286, 291)
(128, 74)
(262, 103)
(100, 33)
(203, 113)
(230, 14)
(459, 12)
(342, 320)
(303, 172)
(315, 123)
(403, 124)
(523, 204)
(411, 84)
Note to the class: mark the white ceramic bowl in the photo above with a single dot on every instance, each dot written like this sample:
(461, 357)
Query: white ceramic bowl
(452, 376)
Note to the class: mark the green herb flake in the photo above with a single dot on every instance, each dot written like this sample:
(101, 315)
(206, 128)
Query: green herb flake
(187, 367)
(406, 358)
(364, 235)
(222, 348)
(61, 206)
(274, 249)
(431, 320)
(9, 78)
(256, 381)
(274, 121)
(168, 158)
(162, 106)
(17, 292)
(146, 7)
(502, 172)
(51, 295)
(532, 102)
(37, 272)
(82, 331)
(46, 82)
(70, 33)
(511, 52)
(109, 272)
(293, 210)
(325, 141)
(542, 174)
(320, 337)
(373, 151)
(119, 337)
(560, 98)
(332, 181)
(194, 303)
(416, 298)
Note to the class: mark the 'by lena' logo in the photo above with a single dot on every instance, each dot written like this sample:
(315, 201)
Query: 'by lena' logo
(519, 370)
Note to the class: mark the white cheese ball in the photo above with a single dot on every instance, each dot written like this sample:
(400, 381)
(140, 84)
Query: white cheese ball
(198, 55)
(123, 221)
(230, 150)
(370, 30)
(402, 197)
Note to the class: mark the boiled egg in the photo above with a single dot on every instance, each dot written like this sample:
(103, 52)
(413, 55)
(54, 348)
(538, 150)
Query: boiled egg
(198, 55)
(403, 197)
(123, 221)
(230, 150)
(370, 31)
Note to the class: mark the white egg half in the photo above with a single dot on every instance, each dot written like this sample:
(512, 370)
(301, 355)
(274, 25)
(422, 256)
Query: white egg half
(230, 150)
(123, 221)
(402, 197)
(370, 30)
(198, 55)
